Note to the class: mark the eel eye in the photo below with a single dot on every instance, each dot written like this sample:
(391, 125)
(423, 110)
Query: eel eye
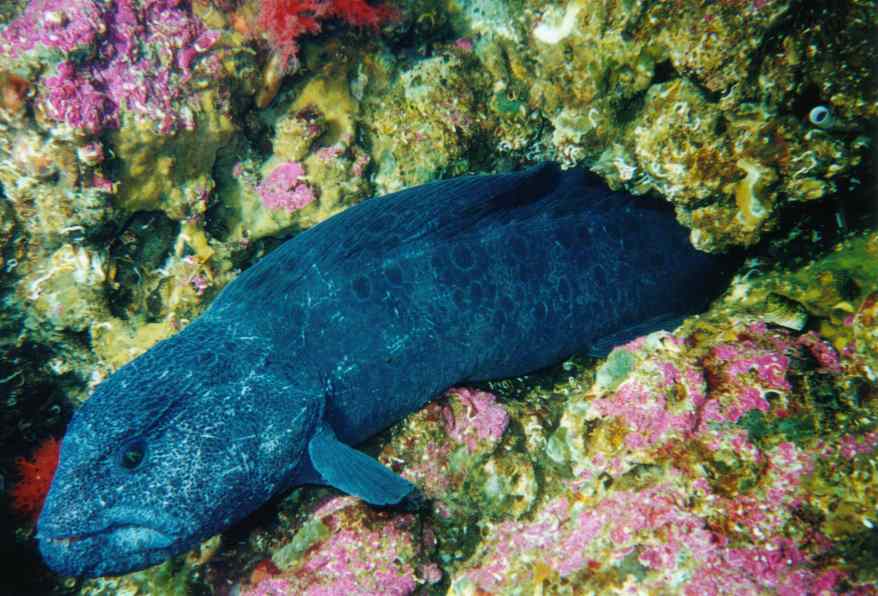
(132, 454)
(821, 117)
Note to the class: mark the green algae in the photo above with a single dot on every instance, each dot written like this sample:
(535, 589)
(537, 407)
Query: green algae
(862, 550)
(311, 532)
(614, 370)
(798, 429)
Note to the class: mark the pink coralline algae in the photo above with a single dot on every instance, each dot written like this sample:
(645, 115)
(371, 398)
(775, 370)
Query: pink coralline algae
(481, 419)
(465, 427)
(71, 98)
(366, 552)
(768, 365)
(199, 283)
(326, 154)
(646, 414)
(821, 350)
(748, 371)
(655, 528)
(672, 494)
(664, 531)
(285, 188)
(114, 57)
(765, 512)
(779, 566)
(65, 25)
(851, 446)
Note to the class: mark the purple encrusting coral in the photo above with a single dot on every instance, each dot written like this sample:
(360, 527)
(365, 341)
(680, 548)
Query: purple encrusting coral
(366, 552)
(65, 25)
(459, 430)
(850, 446)
(285, 188)
(655, 528)
(482, 419)
(648, 415)
(718, 512)
(114, 57)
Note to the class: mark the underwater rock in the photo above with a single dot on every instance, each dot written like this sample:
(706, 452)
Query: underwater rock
(838, 290)
(100, 107)
(706, 103)
(451, 453)
(315, 128)
(145, 61)
(423, 125)
(68, 289)
(52, 198)
(698, 465)
(171, 173)
(347, 547)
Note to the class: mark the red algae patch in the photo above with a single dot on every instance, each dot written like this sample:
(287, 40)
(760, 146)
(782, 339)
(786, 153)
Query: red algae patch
(35, 475)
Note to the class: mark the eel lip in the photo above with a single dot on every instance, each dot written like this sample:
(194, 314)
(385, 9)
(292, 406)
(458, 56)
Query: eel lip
(63, 540)
(112, 541)
(119, 521)
(154, 537)
(115, 549)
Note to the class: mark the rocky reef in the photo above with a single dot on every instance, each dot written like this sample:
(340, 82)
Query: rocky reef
(152, 149)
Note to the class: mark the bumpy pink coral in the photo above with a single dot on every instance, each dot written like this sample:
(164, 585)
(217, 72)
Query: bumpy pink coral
(821, 350)
(851, 446)
(779, 566)
(285, 188)
(367, 552)
(646, 414)
(483, 419)
(746, 357)
(69, 97)
(272, 587)
(465, 427)
(689, 530)
(115, 56)
(65, 25)
(661, 528)
(746, 372)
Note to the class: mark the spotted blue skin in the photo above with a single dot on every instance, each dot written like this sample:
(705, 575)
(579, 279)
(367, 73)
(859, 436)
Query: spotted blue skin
(346, 329)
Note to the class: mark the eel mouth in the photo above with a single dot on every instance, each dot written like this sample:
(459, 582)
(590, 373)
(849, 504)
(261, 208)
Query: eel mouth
(132, 535)
(112, 550)
(110, 541)
(64, 540)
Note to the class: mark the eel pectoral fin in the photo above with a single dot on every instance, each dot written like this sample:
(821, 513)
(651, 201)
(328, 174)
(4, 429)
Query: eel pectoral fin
(354, 472)
(602, 346)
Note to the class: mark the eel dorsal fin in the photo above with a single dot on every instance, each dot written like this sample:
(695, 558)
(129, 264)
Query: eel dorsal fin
(441, 211)
(354, 472)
